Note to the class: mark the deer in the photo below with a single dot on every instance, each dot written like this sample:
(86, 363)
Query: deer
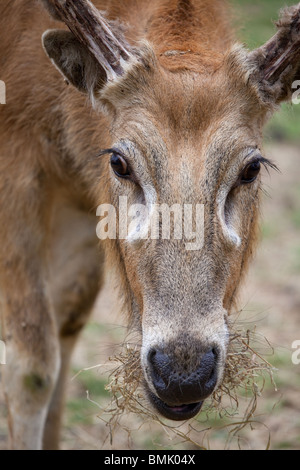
(156, 102)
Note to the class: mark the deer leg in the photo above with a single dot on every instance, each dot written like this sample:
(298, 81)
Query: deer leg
(75, 280)
(32, 349)
(52, 431)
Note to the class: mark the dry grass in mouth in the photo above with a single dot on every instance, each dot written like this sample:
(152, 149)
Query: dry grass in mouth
(244, 378)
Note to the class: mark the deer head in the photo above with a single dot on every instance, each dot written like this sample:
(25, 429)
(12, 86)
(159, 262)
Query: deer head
(180, 136)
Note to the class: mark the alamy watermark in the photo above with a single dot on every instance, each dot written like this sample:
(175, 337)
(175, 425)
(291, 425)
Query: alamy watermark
(157, 221)
(2, 353)
(296, 94)
(2, 92)
(296, 354)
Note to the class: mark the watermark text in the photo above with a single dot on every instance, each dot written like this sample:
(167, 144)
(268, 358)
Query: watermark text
(2, 353)
(296, 94)
(2, 92)
(157, 221)
(296, 354)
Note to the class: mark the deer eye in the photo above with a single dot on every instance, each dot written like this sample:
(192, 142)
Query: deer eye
(119, 166)
(251, 172)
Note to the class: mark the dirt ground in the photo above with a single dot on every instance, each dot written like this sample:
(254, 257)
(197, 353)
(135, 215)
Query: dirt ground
(270, 301)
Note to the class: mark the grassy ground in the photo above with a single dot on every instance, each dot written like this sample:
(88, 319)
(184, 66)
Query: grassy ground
(270, 302)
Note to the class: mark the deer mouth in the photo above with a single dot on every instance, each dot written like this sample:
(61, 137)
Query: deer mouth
(175, 412)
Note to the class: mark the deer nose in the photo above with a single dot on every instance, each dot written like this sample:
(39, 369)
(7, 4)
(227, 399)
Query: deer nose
(176, 386)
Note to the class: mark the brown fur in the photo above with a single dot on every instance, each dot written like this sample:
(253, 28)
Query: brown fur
(192, 94)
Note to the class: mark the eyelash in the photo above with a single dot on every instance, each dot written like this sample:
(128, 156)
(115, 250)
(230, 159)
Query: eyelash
(268, 164)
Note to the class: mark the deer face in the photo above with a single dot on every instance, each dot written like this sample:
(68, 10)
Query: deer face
(187, 142)
(181, 139)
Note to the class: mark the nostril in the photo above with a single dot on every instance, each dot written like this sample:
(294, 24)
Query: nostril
(151, 355)
(208, 370)
(216, 355)
(214, 351)
(160, 367)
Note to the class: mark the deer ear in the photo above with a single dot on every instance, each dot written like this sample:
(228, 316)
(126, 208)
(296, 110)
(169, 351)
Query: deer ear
(276, 65)
(93, 52)
(73, 60)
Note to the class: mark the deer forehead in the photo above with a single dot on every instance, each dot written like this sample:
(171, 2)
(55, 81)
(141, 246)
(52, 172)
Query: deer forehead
(181, 120)
(185, 98)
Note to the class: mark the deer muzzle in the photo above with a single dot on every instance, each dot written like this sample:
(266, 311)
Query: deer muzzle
(180, 391)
